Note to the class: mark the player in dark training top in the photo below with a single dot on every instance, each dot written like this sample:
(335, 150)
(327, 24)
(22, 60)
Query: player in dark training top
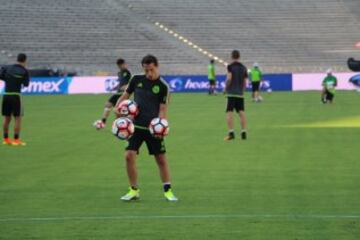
(15, 76)
(151, 93)
(124, 76)
(234, 88)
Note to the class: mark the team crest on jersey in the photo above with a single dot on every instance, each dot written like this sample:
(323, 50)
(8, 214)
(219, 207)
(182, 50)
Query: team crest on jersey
(140, 85)
(156, 89)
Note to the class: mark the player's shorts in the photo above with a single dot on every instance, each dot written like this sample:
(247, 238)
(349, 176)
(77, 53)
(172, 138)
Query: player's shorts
(11, 106)
(255, 86)
(235, 103)
(155, 146)
(114, 98)
(212, 82)
(329, 96)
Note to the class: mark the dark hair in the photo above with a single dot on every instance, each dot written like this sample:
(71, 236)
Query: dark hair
(21, 58)
(212, 61)
(120, 61)
(148, 59)
(235, 54)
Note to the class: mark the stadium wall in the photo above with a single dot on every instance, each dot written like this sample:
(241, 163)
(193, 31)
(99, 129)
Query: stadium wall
(184, 83)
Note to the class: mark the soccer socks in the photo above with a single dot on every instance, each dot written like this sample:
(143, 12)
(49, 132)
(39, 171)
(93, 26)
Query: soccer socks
(103, 120)
(232, 133)
(167, 186)
(6, 135)
(16, 136)
(243, 134)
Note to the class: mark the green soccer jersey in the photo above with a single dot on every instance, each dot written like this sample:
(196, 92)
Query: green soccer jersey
(211, 72)
(256, 75)
(330, 83)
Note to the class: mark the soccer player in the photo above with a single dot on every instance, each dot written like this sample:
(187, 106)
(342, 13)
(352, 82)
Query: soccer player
(256, 78)
(15, 76)
(151, 93)
(235, 85)
(211, 77)
(329, 84)
(124, 76)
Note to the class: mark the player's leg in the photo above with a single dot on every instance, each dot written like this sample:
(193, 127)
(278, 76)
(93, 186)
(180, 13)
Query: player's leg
(107, 109)
(156, 147)
(134, 144)
(130, 161)
(230, 119)
(323, 95)
(6, 124)
(18, 113)
(330, 97)
(243, 124)
(240, 108)
(165, 176)
(100, 124)
(6, 110)
(253, 92)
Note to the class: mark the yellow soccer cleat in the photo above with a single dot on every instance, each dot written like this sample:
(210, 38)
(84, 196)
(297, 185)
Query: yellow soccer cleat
(169, 196)
(131, 195)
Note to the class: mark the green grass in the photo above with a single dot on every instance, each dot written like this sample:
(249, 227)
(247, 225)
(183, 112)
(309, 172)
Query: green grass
(282, 183)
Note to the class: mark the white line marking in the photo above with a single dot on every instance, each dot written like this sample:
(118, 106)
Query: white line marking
(159, 217)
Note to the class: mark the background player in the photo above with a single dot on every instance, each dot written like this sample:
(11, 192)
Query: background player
(212, 77)
(256, 78)
(234, 88)
(151, 94)
(15, 76)
(124, 76)
(329, 84)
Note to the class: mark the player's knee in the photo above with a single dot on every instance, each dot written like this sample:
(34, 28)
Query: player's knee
(129, 157)
(160, 159)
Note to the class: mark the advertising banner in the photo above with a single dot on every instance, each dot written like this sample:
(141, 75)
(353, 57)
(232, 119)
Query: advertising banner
(200, 83)
(313, 81)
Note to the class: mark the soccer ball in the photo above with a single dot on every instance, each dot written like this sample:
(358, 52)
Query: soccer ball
(123, 128)
(98, 124)
(159, 127)
(128, 108)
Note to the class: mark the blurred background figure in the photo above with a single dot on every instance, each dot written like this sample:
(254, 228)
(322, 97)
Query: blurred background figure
(256, 78)
(212, 77)
(329, 84)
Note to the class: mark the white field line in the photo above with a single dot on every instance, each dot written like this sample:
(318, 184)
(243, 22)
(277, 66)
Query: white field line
(159, 217)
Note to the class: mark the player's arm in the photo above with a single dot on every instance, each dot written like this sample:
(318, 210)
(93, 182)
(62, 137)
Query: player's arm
(164, 101)
(163, 111)
(246, 79)
(26, 80)
(228, 78)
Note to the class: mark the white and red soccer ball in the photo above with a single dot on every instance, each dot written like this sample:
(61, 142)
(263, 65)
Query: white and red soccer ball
(128, 108)
(123, 128)
(159, 127)
(98, 124)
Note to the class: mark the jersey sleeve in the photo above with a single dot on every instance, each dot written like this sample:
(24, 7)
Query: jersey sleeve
(131, 86)
(164, 96)
(126, 77)
(229, 69)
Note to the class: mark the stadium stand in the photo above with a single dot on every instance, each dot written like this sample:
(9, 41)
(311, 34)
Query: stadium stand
(88, 35)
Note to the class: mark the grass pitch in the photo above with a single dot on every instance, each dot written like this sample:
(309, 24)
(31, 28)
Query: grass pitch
(294, 178)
